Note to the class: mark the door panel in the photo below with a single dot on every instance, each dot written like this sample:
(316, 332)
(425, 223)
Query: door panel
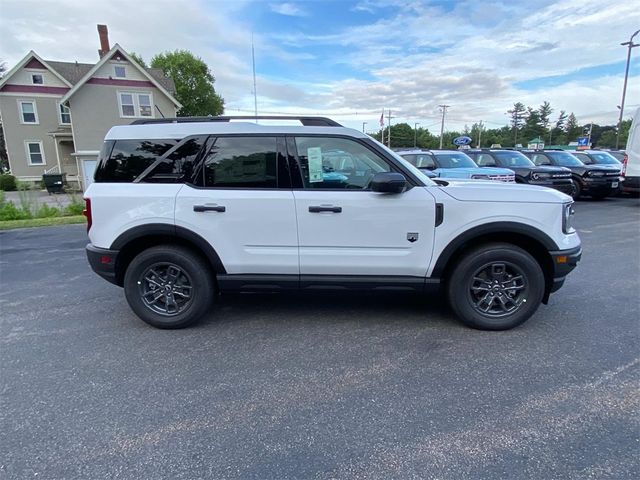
(256, 232)
(369, 235)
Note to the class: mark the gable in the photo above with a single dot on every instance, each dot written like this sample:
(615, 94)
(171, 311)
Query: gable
(32, 76)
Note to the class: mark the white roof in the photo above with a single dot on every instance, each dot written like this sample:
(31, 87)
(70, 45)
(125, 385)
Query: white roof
(181, 130)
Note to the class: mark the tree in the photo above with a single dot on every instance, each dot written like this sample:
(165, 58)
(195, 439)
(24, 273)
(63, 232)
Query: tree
(194, 83)
(532, 126)
(571, 128)
(517, 119)
(544, 112)
(138, 59)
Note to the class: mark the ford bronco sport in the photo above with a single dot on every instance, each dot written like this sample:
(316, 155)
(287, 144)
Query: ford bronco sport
(182, 209)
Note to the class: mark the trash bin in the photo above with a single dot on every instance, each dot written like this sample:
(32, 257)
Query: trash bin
(54, 182)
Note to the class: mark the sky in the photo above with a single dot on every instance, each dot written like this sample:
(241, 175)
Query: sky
(349, 60)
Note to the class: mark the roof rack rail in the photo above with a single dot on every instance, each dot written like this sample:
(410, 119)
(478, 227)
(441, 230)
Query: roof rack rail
(305, 121)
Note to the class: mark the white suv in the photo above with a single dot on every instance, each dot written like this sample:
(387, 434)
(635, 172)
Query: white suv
(183, 209)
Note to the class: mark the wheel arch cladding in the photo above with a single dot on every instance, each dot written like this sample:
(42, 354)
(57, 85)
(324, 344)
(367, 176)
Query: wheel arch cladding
(537, 243)
(137, 239)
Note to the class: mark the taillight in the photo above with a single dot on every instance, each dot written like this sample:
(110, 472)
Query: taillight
(87, 212)
(624, 164)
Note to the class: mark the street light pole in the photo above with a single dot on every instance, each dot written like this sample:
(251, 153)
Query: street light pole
(444, 111)
(363, 124)
(415, 135)
(629, 46)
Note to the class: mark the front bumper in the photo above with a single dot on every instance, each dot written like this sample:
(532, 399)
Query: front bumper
(563, 261)
(564, 186)
(103, 262)
(601, 186)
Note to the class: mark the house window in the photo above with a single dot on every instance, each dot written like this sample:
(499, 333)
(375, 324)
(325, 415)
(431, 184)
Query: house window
(65, 114)
(35, 154)
(37, 79)
(120, 72)
(134, 104)
(28, 112)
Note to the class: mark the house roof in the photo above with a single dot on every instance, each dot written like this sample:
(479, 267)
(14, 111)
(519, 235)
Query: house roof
(151, 74)
(29, 56)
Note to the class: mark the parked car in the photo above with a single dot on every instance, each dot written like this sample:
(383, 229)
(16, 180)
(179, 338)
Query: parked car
(600, 157)
(558, 178)
(184, 208)
(617, 154)
(454, 164)
(631, 163)
(597, 181)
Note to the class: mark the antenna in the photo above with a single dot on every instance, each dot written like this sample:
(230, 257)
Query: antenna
(255, 93)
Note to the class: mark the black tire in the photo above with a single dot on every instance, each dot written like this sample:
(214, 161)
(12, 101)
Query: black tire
(577, 189)
(180, 279)
(512, 301)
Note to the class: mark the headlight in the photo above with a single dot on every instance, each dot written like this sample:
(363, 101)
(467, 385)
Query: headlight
(540, 176)
(595, 173)
(567, 218)
(480, 177)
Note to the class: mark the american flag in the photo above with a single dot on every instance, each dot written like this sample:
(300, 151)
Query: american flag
(382, 119)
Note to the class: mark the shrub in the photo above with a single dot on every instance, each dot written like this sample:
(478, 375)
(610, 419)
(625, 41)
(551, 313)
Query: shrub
(45, 211)
(8, 211)
(74, 208)
(7, 182)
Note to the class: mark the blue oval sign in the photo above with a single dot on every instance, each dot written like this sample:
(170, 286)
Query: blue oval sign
(462, 140)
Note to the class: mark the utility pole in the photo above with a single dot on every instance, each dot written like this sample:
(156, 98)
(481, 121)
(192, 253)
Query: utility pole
(443, 109)
(389, 117)
(480, 134)
(415, 135)
(363, 124)
(629, 46)
(590, 130)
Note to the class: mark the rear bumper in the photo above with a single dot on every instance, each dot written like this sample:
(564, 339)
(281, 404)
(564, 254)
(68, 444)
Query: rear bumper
(563, 261)
(103, 262)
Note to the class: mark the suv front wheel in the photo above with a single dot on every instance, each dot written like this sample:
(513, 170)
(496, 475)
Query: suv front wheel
(496, 287)
(168, 286)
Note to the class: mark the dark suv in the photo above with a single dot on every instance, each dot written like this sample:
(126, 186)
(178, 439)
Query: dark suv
(525, 170)
(595, 180)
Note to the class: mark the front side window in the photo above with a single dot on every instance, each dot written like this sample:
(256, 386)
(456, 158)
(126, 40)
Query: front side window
(65, 114)
(337, 163)
(242, 162)
(28, 112)
(120, 71)
(34, 153)
(37, 79)
(133, 104)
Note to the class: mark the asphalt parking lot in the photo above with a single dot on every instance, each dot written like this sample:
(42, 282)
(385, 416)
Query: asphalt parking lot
(278, 387)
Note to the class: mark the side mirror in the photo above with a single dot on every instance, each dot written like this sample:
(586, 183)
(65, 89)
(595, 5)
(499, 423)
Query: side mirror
(388, 182)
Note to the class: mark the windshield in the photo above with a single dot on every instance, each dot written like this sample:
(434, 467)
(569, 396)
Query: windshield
(512, 159)
(603, 158)
(454, 160)
(564, 159)
(416, 171)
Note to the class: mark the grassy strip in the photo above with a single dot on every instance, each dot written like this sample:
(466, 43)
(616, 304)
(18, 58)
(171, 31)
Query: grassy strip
(41, 222)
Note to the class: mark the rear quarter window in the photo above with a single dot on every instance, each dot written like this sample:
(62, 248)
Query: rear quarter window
(129, 158)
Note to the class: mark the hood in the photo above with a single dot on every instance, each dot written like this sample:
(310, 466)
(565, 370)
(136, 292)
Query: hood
(479, 191)
(602, 168)
(550, 169)
(468, 172)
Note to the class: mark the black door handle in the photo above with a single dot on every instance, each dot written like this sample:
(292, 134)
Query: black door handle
(323, 208)
(209, 208)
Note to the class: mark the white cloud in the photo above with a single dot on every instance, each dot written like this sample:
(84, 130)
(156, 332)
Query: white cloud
(288, 9)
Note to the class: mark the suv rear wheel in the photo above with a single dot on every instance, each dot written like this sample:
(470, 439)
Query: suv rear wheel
(168, 286)
(496, 287)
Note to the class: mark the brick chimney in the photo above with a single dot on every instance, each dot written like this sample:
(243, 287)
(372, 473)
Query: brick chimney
(103, 33)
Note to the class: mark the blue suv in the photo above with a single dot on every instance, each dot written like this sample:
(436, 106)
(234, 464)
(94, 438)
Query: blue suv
(454, 164)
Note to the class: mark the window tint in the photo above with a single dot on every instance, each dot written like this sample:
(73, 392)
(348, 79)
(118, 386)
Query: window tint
(584, 158)
(513, 159)
(564, 159)
(242, 162)
(179, 165)
(454, 160)
(420, 160)
(337, 163)
(129, 158)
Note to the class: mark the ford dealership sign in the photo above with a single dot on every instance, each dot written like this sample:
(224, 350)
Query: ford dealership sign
(462, 140)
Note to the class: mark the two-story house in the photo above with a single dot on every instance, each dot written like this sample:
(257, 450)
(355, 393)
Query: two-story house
(56, 114)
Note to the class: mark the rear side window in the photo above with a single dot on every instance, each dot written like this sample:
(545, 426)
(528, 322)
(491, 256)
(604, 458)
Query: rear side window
(540, 159)
(129, 158)
(485, 160)
(242, 162)
(179, 165)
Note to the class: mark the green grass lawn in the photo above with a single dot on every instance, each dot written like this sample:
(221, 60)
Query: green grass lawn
(41, 222)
